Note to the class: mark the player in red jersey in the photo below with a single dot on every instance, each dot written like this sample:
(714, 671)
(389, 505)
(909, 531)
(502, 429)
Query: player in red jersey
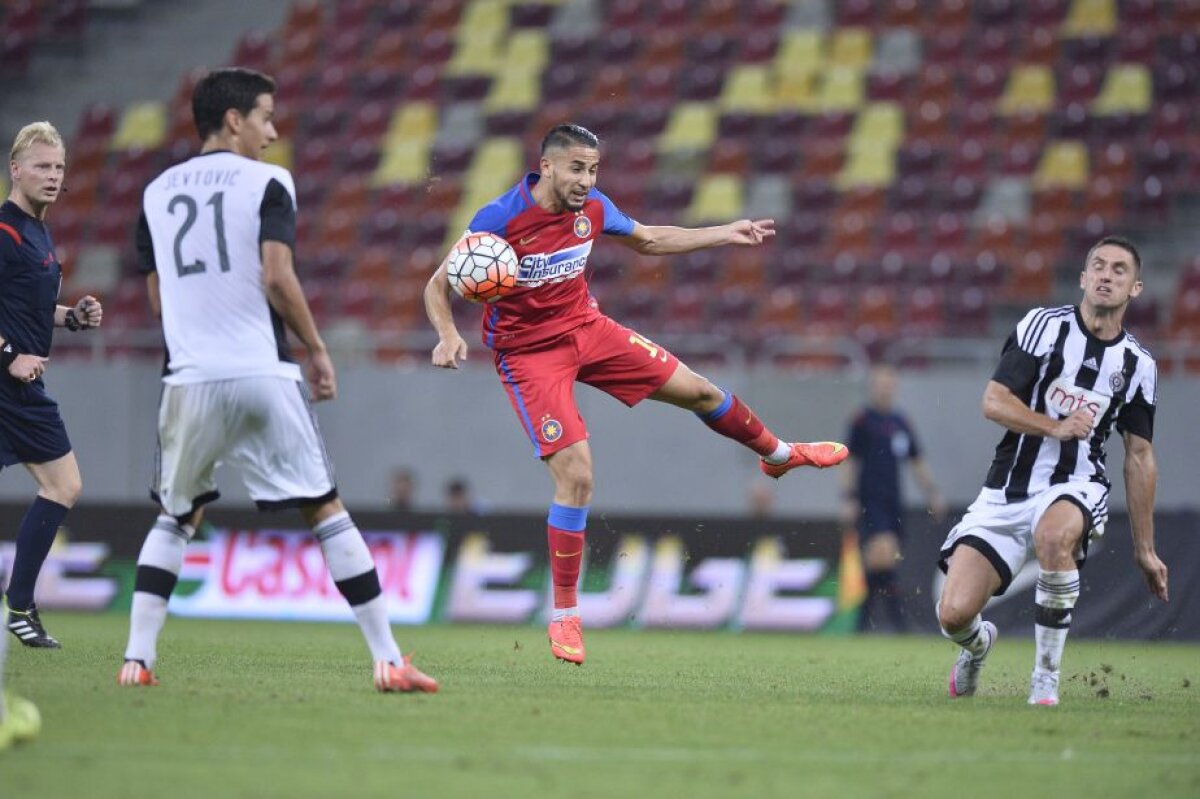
(549, 333)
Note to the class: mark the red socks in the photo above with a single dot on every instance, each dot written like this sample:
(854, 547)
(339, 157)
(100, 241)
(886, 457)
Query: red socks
(566, 556)
(734, 419)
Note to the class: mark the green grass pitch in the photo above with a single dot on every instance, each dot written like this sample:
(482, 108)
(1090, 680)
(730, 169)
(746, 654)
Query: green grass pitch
(251, 709)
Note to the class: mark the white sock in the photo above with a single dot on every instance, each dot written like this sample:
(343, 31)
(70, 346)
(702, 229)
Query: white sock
(970, 637)
(782, 452)
(3, 654)
(561, 613)
(163, 549)
(1056, 595)
(347, 557)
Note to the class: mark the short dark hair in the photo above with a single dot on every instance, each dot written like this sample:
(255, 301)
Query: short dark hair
(223, 89)
(1123, 243)
(567, 134)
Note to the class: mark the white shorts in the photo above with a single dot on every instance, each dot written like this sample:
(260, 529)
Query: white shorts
(262, 426)
(1003, 531)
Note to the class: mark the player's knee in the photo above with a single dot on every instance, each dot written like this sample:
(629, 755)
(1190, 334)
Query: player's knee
(953, 614)
(1053, 543)
(706, 396)
(66, 491)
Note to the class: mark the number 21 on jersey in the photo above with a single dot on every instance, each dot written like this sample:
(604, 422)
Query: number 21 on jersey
(190, 213)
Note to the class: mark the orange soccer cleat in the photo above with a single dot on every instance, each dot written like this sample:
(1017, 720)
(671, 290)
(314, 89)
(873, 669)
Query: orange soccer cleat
(406, 679)
(566, 640)
(134, 672)
(821, 454)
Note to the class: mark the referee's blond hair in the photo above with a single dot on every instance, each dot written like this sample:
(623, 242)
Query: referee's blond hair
(35, 133)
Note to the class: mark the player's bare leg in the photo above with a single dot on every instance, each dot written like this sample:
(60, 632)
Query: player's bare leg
(971, 580)
(571, 469)
(1055, 540)
(59, 485)
(724, 413)
(353, 571)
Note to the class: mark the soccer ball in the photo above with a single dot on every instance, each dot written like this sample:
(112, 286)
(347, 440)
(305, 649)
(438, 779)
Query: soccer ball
(482, 267)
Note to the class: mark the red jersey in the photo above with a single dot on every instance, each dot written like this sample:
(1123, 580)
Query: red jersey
(552, 296)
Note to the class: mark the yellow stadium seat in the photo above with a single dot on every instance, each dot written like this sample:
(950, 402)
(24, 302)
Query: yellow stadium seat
(748, 90)
(477, 53)
(514, 90)
(717, 198)
(527, 49)
(143, 126)
(500, 159)
(402, 161)
(867, 166)
(800, 51)
(796, 90)
(691, 128)
(1090, 18)
(851, 47)
(480, 39)
(841, 90)
(1030, 88)
(879, 124)
(1064, 164)
(279, 153)
(413, 121)
(1126, 90)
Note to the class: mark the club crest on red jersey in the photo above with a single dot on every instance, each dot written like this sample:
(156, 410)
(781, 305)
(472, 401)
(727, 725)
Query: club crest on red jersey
(551, 430)
(583, 226)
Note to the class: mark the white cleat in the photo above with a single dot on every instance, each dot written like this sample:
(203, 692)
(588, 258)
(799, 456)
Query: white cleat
(964, 677)
(1043, 688)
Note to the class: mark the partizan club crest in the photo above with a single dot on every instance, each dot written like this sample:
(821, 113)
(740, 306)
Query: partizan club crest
(1116, 381)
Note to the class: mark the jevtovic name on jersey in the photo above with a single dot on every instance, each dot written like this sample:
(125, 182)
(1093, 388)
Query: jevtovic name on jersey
(203, 222)
(1056, 366)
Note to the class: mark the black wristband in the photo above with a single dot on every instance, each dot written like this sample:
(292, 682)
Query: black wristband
(71, 321)
(7, 355)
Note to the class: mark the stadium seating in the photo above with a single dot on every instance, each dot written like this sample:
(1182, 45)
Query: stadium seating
(948, 152)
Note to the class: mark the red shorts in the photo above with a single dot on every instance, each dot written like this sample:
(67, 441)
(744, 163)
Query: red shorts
(608, 356)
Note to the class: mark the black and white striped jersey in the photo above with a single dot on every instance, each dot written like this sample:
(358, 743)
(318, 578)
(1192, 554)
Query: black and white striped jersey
(1056, 365)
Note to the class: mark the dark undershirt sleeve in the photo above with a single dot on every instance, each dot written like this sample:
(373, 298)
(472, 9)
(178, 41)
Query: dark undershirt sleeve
(1017, 369)
(278, 215)
(144, 245)
(1137, 417)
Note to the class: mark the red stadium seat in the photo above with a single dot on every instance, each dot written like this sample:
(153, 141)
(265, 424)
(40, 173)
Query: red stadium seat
(923, 314)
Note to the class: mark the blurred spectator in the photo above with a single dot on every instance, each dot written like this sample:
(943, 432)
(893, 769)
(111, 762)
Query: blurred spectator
(760, 500)
(403, 490)
(459, 498)
(880, 439)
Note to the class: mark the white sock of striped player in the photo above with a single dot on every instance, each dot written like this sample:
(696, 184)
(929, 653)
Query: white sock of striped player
(3, 654)
(1056, 595)
(353, 571)
(158, 567)
(969, 638)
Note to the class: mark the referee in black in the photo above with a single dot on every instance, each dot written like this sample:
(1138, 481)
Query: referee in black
(31, 429)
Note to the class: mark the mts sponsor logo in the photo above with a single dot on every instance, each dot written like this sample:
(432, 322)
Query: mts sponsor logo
(1065, 398)
(281, 574)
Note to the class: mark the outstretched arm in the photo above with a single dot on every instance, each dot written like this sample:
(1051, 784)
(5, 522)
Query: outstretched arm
(451, 348)
(667, 240)
(1141, 479)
